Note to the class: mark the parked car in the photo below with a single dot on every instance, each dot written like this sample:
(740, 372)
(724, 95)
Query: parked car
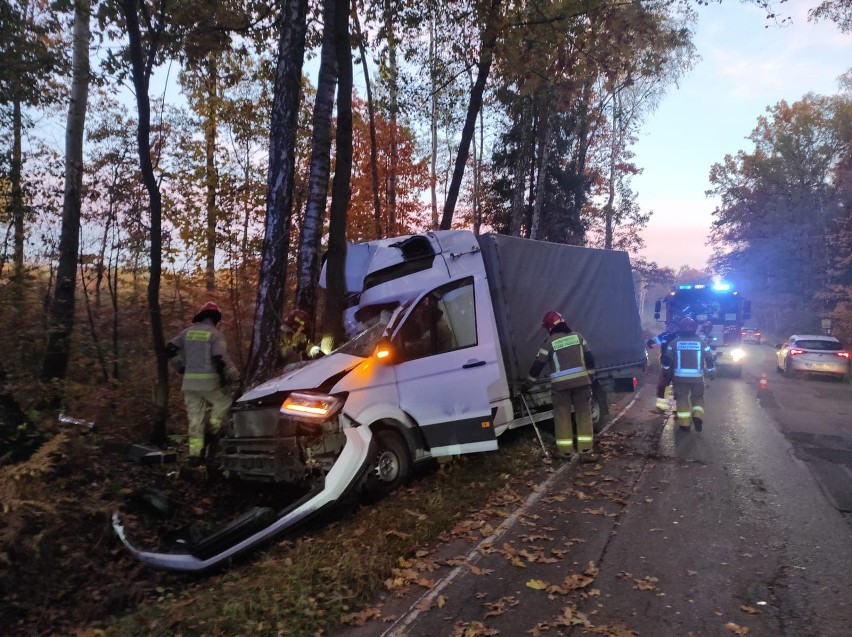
(750, 335)
(813, 354)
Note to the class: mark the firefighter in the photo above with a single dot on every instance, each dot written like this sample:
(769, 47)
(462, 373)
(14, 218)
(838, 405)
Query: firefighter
(665, 377)
(295, 346)
(572, 366)
(200, 354)
(688, 356)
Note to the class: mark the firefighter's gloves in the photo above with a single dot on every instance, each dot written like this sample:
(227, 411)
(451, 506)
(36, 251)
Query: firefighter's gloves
(526, 386)
(650, 343)
(172, 350)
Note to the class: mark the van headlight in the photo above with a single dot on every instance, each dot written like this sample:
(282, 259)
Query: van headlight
(737, 355)
(313, 407)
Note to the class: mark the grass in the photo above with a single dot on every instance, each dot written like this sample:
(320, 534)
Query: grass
(307, 586)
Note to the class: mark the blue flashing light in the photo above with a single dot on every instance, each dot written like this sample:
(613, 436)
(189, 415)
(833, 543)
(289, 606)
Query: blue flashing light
(684, 287)
(700, 286)
(722, 287)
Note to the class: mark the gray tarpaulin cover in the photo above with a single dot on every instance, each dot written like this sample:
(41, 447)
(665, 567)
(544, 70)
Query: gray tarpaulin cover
(591, 288)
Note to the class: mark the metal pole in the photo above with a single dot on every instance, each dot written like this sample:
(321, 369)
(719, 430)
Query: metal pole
(535, 427)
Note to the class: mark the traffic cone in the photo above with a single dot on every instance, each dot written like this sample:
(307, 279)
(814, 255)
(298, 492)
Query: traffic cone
(763, 384)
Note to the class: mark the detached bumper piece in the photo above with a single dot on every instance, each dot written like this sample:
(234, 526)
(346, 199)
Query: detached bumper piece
(259, 525)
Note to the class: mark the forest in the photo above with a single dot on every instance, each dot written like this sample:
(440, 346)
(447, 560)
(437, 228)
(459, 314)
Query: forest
(157, 154)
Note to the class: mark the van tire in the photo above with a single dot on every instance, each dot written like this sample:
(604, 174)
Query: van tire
(389, 466)
(599, 406)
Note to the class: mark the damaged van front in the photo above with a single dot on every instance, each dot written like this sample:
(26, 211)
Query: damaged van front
(292, 429)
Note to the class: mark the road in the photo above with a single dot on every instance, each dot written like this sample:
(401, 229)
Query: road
(741, 529)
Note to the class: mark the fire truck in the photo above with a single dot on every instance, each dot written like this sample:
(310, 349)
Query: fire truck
(721, 304)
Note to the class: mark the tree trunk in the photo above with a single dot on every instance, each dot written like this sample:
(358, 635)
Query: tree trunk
(263, 355)
(574, 224)
(16, 203)
(614, 149)
(542, 159)
(312, 226)
(141, 65)
(393, 89)
(374, 162)
(55, 363)
(433, 123)
(489, 41)
(342, 178)
(520, 173)
(211, 174)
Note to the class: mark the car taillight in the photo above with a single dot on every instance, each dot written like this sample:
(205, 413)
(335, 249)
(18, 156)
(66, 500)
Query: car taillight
(796, 352)
(757, 333)
(843, 354)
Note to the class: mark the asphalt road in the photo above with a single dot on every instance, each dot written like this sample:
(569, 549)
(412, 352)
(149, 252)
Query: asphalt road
(732, 531)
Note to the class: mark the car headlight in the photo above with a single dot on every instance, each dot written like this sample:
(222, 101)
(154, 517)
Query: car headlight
(308, 406)
(737, 355)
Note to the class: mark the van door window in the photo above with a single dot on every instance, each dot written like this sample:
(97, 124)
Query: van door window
(444, 320)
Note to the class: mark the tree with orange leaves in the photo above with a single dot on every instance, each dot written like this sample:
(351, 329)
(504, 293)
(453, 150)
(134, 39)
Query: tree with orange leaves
(412, 179)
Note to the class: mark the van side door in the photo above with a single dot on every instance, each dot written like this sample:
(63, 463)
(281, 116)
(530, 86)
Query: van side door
(445, 369)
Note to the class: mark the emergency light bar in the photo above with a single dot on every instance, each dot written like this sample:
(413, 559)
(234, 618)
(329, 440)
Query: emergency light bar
(721, 287)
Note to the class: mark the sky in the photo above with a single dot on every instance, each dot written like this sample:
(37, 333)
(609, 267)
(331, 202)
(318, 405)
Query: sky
(744, 68)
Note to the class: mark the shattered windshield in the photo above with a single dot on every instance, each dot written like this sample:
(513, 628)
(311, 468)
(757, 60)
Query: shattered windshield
(365, 341)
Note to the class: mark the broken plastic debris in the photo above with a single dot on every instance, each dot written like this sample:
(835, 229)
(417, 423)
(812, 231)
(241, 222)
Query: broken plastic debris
(65, 419)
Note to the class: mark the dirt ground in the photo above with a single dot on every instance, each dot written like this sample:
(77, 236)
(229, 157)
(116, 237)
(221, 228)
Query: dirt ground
(63, 566)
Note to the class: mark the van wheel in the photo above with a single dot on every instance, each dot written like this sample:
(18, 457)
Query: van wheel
(600, 408)
(389, 467)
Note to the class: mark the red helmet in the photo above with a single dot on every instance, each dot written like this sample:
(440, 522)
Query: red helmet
(296, 318)
(551, 320)
(208, 310)
(687, 324)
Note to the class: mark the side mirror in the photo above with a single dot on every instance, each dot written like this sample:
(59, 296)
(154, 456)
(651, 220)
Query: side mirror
(385, 352)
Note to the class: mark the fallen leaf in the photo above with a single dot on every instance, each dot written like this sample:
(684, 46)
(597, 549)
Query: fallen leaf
(691, 573)
(473, 629)
(537, 584)
(748, 609)
(737, 630)
(360, 618)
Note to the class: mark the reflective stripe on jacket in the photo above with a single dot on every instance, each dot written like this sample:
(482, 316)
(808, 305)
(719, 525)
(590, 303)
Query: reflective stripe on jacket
(687, 355)
(566, 354)
(199, 346)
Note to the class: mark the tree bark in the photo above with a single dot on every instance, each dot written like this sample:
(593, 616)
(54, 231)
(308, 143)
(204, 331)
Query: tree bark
(342, 179)
(211, 174)
(542, 159)
(279, 196)
(489, 42)
(55, 363)
(312, 225)
(521, 164)
(371, 110)
(16, 203)
(142, 63)
(433, 121)
(393, 89)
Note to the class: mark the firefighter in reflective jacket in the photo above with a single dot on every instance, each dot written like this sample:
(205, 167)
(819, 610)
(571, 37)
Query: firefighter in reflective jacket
(688, 355)
(572, 363)
(665, 377)
(200, 353)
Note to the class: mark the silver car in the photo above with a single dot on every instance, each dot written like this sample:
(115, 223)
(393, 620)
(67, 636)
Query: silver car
(813, 354)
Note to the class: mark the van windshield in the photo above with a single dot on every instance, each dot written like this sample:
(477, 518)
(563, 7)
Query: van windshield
(364, 342)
